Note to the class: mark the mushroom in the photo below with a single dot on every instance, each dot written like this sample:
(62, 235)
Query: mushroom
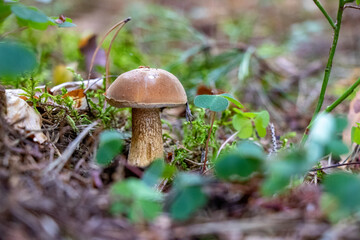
(146, 90)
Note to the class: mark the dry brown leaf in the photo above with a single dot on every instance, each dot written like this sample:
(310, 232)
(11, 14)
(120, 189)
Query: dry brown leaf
(24, 117)
(78, 96)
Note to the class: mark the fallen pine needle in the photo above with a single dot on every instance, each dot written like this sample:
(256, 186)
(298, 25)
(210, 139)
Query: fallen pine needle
(60, 162)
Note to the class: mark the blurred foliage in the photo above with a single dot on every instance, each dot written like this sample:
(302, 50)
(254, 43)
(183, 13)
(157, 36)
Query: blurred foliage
(246, 159)
(341, 199)
(157, 171)
(324, 139)
(186, 196)
(31, 50)
(15, 60)
(136, 200)
(110, 145)
(251, 124)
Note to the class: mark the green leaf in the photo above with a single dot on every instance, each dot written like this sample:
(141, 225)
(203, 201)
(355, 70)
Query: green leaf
(323, 129)
(243, 125)
(251, 150)
(232, 99)
(244, 68)
(288, 165)
(68, 22)
(66, 25)
(235, 167)
(110, 146)
(337, 147)
(325, 136)
(248, 114)
(144, 210)
(247, 158)
(358, 2)
(263, 118)
(261, 122)
(187, 201)
(215, 103)
(16, 59)
(274, 184)
(355, 134)
(261, 131)
(157, 170)
(153, 173)
(136, 200)
(187, 195)
(5, 11)
(340, 124)
(344, 187)
(30, 16)
(184, 180)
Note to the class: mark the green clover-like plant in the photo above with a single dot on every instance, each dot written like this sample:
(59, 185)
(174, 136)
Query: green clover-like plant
(215, 103)
(250, 123)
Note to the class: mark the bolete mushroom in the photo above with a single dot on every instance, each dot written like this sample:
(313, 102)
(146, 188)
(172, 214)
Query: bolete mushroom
(146, 91)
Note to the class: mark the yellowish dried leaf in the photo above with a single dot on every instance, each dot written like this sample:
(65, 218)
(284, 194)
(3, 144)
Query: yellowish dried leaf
(24, 117)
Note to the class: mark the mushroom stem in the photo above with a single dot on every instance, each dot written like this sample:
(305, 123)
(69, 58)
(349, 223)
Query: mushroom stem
(146, 141)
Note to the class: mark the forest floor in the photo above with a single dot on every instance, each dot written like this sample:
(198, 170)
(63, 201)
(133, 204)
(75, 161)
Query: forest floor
(55, 190)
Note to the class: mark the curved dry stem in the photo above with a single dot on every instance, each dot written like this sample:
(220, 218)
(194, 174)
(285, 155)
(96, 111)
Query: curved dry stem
(120, 25)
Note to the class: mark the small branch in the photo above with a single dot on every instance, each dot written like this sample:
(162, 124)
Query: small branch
(349, 91)
(333, 166)
(346, 94)
(120, 25)
(13, 31)
(322, 9)
(352, 6)
(226, 141)
(327, 69)
(212, 119)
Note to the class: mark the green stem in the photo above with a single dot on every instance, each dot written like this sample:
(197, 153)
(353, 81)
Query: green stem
(318, 4)
(346, 94)
(212, 120)
(328, 67)
(349, 91)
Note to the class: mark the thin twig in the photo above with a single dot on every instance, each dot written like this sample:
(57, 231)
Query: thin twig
(195, 163)
(225, 142)
(102, 41)
(13, 31)
(333, 166)
(212, 119)
(347, 93)
(107, 66)
(60, 162)
(352, 6)
(331, 22)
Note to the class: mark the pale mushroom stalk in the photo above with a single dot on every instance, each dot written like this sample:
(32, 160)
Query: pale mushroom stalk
(146, 91)
(146, 141)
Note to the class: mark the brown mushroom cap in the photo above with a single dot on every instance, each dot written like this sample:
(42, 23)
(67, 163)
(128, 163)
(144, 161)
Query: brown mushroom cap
(146, 88)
